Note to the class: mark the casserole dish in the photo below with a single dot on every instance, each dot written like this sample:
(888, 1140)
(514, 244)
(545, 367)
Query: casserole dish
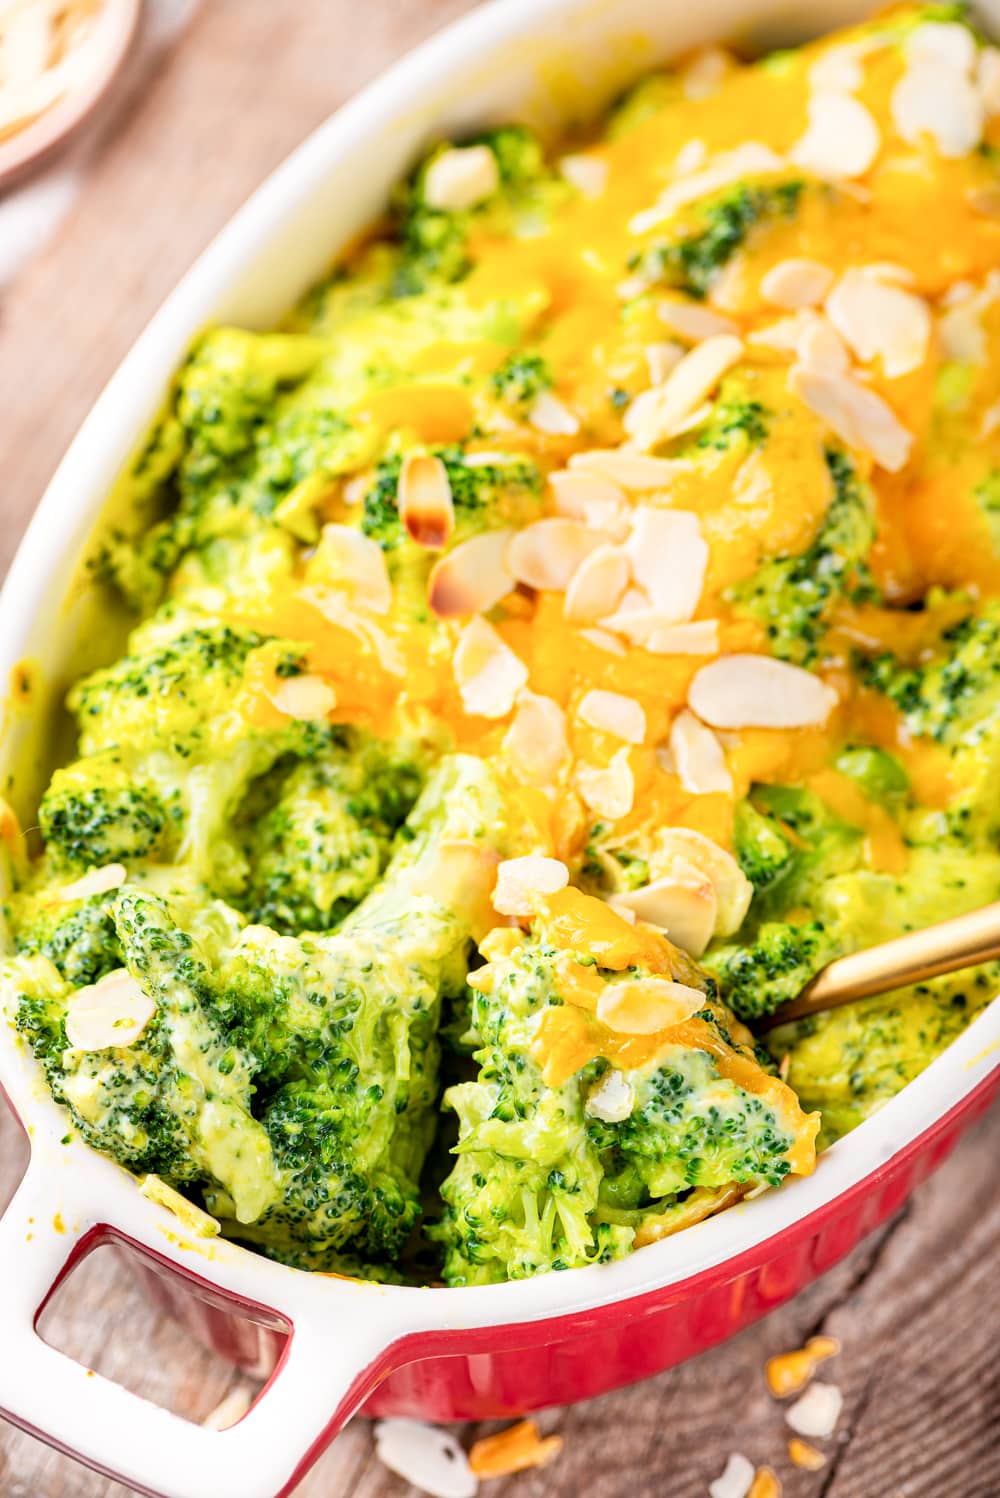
(472, 1352)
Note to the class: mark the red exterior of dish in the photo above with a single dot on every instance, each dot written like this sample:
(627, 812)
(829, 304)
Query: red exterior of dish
(509, 1370)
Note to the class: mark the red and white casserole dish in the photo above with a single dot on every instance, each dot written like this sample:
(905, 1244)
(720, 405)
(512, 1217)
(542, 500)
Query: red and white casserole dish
(338, 1346)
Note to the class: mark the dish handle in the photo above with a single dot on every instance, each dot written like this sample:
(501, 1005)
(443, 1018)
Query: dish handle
(327, 1370)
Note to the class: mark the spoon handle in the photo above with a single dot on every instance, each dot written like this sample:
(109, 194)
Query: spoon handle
(945, 948)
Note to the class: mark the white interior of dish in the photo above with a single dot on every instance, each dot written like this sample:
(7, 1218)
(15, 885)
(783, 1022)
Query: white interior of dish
(538, 60)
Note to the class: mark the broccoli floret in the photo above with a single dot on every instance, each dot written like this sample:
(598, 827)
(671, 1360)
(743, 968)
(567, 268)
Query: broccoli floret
(879, 774)
(694, 261)
(762, 850)
(484, 495)
(987, 497)
(794, 597)
(735, 420)
(954, 695)
(755, 978)
(95, 812)
(520, 379)
(642, 102)
(78, 937)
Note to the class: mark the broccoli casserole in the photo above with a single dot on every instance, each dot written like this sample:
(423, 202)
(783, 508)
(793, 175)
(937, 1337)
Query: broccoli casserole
(574, 628)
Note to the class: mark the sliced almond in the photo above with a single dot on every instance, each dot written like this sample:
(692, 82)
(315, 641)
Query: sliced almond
(817, 1411)
(425, 503)
(536, 742)
(597, 585)
(609, 792)
(698, 757)
(690, 158)
(880, 321)
(733, 890)
(937, 101)
(473, 578)
(683, 903)
(700, 637)
(612, 1100)
(519, 880)
(735, 1479)
(693, 322)
(95, 882)
(657, 414)
(842, 139)
(630, 469)
(587, 173)
(796, 282)
(601, 640)
(647, 1005)
(488, 673)
(945, 43)
(669, 555)
(756, 691)
(838, 68)
(576, 491)
(113, 1012)
(988, 80)
(551, 415)
(461, 178)
(706, 72)
(661, 358)
(613, 713)
(356, 563)
(547, 553)
(855, 414)
(820, 346)
(752, 159)
(306, 698)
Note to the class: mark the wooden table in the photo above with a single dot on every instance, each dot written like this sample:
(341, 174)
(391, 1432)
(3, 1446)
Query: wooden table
(915, 1307)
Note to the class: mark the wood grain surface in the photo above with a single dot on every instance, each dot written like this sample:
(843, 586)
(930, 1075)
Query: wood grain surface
(915, 1307)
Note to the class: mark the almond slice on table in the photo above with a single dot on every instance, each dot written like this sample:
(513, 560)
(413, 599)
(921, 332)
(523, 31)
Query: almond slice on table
(461, 178)
(306, 698)
(842, 138)
(628, 468)
(355, 562)
(520, 879)
(935, 100)
(658, 413)
(587, 173)
(757, 691)
(694, 323)
(698, 757)
(426, 1456)
(612, 1100)
(473, 578)
(882, 321)
(647, 1005)
(488, 673)
(536, 742)
(94, 882)
(423, 494)
(597, 585)
(735, 1479)
(669, 556)
(733, 890)
(699, 637)
(796, 282)
(613, 713)
(547, 553)
(610, 792)
(682, 903)
(816, 1412)
(551, 415)
(113, 1012)
(854, 413)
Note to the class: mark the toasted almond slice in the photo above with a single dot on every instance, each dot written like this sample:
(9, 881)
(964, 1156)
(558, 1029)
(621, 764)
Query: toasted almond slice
(698, 757)
(113, 1012)
(425, 503)
(637, 621)
(611, 712)
(935, 100)
(519, 880)
(459, 874)
(947, 44)
(735, 1479)
(549, 414)
(631, 469)
(547, 553)
(601, 640)
(683, 903)
(658, 413)
(307, 697)
(837, 69)
(661, 358)
(586, 172)
(536, 742)
(693, 322)
(473, 578)
(460, 178)
(796, 282)
(426, 1456)
(701, 637)
(756, 691)
(488, 673)
(842, 139)
(95, 882)
(988, 79)
(820, 346)
(612, 1100)
(855, 414)
(802, 1455)
(669, 555)
(880, 321)
(706, 72)
(576, 492)
(817, 1411)
(609, 792)
(597, 584)
(891, 271)
(647, 1005)
(733, 890)
(355, 562)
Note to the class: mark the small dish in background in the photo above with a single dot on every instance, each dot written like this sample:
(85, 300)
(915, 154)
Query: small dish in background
(57, 60)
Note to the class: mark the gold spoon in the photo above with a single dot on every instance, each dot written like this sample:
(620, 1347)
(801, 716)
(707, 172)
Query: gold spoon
(945, 948)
